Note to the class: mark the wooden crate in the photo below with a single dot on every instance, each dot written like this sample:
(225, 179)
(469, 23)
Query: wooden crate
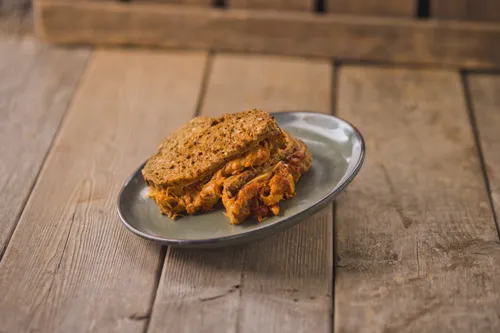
(350, 30)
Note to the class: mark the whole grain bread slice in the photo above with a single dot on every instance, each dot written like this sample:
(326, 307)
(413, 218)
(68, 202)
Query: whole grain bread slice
(202, 146)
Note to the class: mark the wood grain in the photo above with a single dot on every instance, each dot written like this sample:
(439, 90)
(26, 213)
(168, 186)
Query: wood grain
(299, 5)
(36, 86)
(417, 247)
(470, 10)
(281, 283)
(485, 101)
(406, 8)
(71, 266)
(305, 34)
(274, 84)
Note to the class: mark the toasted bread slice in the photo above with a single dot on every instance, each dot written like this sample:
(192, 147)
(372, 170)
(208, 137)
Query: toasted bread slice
(201, 147)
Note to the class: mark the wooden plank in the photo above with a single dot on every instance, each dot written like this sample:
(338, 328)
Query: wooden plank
(485, 101)
(71, 266)
(203, 3)
(417, 247)
(299, 5)
(406, 8)
(36, 86)
(271, 86)
(16, 25)
(303, 34)
(471, 10)
(281, 283)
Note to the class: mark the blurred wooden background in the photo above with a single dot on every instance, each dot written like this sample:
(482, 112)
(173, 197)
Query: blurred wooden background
(453, 33)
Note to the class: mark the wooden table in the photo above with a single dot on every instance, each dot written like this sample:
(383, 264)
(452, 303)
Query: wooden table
(414, 237)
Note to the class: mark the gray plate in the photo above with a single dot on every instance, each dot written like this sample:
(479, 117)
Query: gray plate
(338, 151)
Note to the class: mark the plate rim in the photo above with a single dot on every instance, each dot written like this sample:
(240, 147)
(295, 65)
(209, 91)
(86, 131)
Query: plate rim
(254, 233)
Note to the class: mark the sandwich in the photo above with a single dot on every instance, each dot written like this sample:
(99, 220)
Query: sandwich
(243, 160)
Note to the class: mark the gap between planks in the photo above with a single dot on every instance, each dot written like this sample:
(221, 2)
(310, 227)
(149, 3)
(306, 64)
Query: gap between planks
(484, 105)
(477, 140)
(333, 109)
(204, 83)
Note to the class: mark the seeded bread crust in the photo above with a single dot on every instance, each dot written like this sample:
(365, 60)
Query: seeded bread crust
(204, 145)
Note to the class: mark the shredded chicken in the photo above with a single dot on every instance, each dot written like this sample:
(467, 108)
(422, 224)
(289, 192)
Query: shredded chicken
(247, 185)
(261, 195)
(202, 198)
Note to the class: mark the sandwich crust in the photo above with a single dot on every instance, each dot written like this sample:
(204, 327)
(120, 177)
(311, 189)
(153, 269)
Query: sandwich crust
(201, 147)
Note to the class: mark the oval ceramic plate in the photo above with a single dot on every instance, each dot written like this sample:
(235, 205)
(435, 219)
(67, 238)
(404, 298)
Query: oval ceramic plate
(338, 152)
